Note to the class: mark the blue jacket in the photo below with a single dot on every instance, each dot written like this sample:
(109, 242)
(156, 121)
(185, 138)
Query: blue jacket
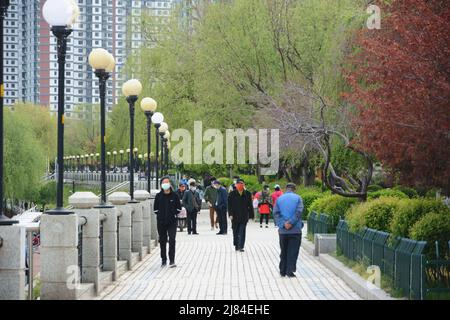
(221, 200)
(289, 208)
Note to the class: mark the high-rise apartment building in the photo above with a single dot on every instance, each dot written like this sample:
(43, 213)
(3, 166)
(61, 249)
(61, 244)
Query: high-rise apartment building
(31, 70)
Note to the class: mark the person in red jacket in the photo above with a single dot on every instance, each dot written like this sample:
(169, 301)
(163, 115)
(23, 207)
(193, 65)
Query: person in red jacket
(265, 206)
(276, 194)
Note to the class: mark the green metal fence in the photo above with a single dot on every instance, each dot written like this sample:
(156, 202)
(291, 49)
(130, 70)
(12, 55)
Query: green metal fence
(402, 260)
(319, 223)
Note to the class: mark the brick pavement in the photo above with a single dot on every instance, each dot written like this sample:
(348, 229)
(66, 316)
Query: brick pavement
(208, 268)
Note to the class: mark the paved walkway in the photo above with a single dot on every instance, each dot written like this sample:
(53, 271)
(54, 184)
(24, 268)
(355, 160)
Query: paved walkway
(208, 268)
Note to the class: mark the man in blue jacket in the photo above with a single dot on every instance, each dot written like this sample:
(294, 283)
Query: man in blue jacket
(288, 217)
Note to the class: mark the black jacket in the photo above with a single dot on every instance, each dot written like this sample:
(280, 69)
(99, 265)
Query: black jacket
(167, 207)
(188, 201)
(222, 200)
(240, 207)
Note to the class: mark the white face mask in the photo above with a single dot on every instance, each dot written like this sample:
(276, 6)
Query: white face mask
(165, 186)
(193, 188)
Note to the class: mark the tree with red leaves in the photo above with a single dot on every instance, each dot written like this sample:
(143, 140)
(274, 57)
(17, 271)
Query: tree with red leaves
(400, 84)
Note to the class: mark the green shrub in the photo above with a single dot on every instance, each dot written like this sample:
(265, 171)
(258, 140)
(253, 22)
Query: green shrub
(433, 227)
(431, 194)
(410, 211)
(333, 205)
(374, 187)
(309, 195)
(251, 183)
(376, 214)
(387, 193)
(226, 182)
(318, 184)
(410, 192)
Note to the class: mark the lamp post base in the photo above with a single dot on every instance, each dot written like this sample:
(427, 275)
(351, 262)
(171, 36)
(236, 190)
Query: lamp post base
(59, 212)
(5, 221)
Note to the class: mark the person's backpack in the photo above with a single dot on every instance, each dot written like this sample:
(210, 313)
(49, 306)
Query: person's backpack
(264, 198)
(195, 203)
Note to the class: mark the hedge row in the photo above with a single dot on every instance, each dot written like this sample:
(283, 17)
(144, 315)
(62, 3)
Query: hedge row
(418, 219)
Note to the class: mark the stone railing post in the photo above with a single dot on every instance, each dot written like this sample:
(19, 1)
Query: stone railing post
(83, 204)
(110, 239)
(137, 228)
(120, 201)
(143, 196)
(12, 263)
(59, 257)
(153, 225)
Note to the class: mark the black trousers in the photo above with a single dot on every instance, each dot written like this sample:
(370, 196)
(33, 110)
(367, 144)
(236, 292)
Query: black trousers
(264, 216)
(192, 222)
(222, 219)
(290, 248)
(239, 230)
(167, 233)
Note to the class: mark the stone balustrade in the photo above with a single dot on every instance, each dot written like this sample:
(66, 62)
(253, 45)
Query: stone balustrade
(84, 251)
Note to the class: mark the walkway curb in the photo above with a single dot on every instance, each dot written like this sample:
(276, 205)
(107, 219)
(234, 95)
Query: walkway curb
(353, 280)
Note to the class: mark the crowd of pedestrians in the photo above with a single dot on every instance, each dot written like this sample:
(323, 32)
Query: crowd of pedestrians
(179, 209)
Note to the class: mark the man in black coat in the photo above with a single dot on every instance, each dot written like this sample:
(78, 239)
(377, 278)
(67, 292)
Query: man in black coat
(240, 210)
(167, 206)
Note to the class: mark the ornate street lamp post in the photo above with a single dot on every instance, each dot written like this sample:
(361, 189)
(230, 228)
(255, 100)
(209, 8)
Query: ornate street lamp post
(103, 63)
(166, 138)
(131, 90)
(121, 160)
(149, 106)
(86, 167)
(108, 165)
(157, 119)
(128, 163)
(4, 221)
(162, 131)
(60, 15)
(114, 161)
(92, 162)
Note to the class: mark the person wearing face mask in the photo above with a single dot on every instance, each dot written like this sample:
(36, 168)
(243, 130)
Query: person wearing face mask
(167, 206)
(221, 205)
(240, 210)
(192, 203)
(210, 198)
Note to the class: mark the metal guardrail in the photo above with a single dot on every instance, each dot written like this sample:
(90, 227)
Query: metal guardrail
(401, 260)
(82, 221)
(103, 218)
(318, 223)
(30, 230)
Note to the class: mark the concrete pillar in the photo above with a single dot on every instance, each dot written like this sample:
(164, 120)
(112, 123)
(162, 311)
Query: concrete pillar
(109, 239)
(12, 263)
(153, 222)
(137, 228)
(83, 204)
(143, 196)
(59, 257)
(120, 201)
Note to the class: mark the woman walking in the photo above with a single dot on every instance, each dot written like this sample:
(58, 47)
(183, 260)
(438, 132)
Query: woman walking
(264, 206)
(167, 206)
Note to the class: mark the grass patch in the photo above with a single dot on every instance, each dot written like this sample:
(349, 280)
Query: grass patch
(37, 288)
(360, 267)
